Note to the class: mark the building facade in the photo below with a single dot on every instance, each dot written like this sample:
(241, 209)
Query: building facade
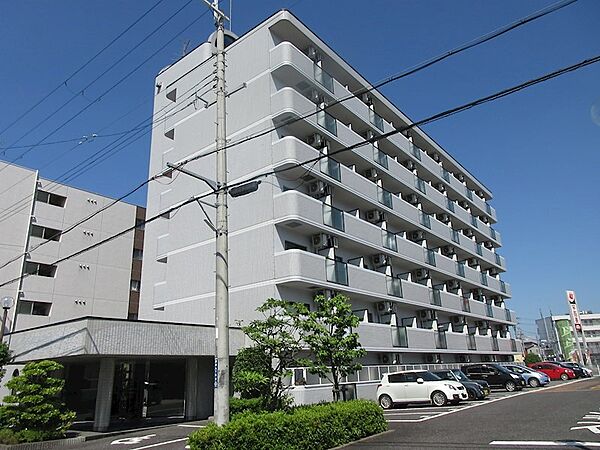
(399, 226)
(558, 336)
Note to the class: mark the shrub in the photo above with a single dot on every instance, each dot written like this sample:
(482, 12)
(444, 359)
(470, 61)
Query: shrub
(8, 437)
(531, 358)
(316, 427)
(243, 405)
(34, 410)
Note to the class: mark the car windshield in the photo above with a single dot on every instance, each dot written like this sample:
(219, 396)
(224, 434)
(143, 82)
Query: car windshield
(444, 375)
(460, 375)
(428, 376)
(517, 369)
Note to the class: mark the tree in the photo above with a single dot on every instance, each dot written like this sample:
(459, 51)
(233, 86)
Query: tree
(277, 334)
(531, 358)
(251, 371)
(331, 338)
(5, 358)
(34, 409)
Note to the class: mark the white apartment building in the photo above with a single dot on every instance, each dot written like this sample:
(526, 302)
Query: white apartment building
(399, 226)
(559, 336)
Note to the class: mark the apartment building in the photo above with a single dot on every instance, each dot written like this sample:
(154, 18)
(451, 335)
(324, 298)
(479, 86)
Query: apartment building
(558, 336)
(399, 226)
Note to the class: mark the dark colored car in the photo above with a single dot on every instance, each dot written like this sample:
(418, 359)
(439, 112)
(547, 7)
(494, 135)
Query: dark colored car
(553, 370)
(496, 375)
(476, 390)
(580, 372)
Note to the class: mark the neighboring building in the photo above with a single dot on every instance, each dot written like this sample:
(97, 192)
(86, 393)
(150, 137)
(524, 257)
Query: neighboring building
(400, 226)
(557, 331)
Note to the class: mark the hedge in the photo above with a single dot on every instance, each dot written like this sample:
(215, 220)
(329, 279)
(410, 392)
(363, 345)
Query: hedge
(243, 405)
(316, 427)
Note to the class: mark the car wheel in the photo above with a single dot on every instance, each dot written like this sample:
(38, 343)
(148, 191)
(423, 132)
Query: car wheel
(471, 394)
(534, 382)
(510, 386)
(439, 398)
(385, 401)
(564, 376)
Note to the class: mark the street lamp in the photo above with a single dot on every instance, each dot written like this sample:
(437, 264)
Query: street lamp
(7, 303)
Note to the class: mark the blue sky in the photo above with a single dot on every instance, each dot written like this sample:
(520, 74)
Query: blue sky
(538, 150)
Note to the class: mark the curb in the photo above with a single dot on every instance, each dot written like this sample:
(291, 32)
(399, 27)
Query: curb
(58, 443)
(362, 440)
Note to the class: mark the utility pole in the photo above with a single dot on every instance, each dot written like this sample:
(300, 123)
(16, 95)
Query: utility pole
(222, 249)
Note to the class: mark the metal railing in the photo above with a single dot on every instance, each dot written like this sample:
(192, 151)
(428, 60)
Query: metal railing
(435, 297)
(389, 240)
(331, 168)
(336, 271)
(384, 197)
(327, 121)
(399, 337)
(323, 78)
(376, 120)
(394, 286)
(333, 217)
(380, 157)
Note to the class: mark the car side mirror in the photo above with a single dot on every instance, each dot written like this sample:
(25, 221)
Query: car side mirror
(420, 380)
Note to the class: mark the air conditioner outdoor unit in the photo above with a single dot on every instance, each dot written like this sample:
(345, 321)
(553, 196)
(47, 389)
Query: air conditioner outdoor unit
(464, 358)
(413, 199)
(440, 187)
(380, 260)
(443, 217)
(493, 272)
(459, 320)
(489, 245)
(453, 285)
(484, 220)
(319, 189)
(463, 204)
(371, 174)
(385, 307)
(486, 358)
(313, 53)
(430, 358)
(324, 240)
(369, 134)
(448, 250)
(410, 164)
(477, 293)
(375, 216)
(316, 97)
(472, 262)
(384, 358)
(366, 97)
(316, 140)
(421, 274)
(435, 156)
(416, 236)
(468, 232)
(460, 177)
(480, 193)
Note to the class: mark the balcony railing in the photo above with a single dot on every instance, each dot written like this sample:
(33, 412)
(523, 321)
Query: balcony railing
(471, 342)
(495, 346)
(415, 151)
(394, 286)
(333, 217)
(425, 219)
(327, 121)
(331, 168)
(466, 305)
(455, 236)
(469, 193)
(380, 158)
(498, 259)
(484, 279)
(420, 185)
(474, 221)
(460, 269)
(489, 311)
(450, 205)
(389, 240)
(488, 208)
(513, 345)
(493, 233)
(503, 286)
(507, 314)
(430, 257)
(440, 340)
(446, 175)
(399, 337)
(337, 271)
(384, 197)
(479, 249)
(323, 78)
(435, 297)
(376, 120)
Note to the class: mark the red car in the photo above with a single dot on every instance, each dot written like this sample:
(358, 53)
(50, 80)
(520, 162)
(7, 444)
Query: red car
(554, 371)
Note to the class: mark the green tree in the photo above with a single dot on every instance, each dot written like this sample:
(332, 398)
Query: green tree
(332, 340)
(5, 358)
(531, 358)
(34, 409)
(277, 334)
(251, 371)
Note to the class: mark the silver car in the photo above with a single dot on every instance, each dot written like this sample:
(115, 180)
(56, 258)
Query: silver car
(532, 377)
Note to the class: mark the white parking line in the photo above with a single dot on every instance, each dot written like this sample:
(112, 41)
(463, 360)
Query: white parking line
(161, 443)
(577, 444)
(185, 425)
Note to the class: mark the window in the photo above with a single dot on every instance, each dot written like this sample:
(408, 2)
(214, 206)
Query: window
(33, 308)
(293, 246)
(138, 254)
(51, 199)
(396, 378)
(43, 270)
(135, 285)
(50, 234)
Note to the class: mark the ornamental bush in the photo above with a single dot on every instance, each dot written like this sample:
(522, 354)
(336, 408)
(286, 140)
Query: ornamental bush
(243, 405)
(312, 427)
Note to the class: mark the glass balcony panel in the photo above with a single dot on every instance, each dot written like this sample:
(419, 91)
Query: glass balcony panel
(394, 286)
(416, 151)
(440, 340)
(425, 219)
(503, 286)
(455, 236)
(493, 233)
(507, 314)
(450, 205)
(323, 78)
(430, 257)
(498, 259)
(446, 175)
(484, 279)
(331, 167)
(471, 343)
(474, 221)
(435, 298)
(479, 249)
(376, 119)
(420, 185)
(469, 193)
(380, 158)
(488, 208)
(337, 271)
(327, 121)
(466, 305)
(333, 217)
(495, 346)
(389, 240)
(384, 197)
(399, 337)
(460, 269)
(488, 310)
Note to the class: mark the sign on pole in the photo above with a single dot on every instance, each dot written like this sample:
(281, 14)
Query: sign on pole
(575, 323)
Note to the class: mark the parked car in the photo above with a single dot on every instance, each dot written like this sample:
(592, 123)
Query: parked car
(553, 370)
(476, 390)
(418, 386)
(496, 375)
(532, 377)
(580, 371)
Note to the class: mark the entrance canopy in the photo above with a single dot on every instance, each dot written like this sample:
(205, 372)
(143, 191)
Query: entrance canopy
(96, 336)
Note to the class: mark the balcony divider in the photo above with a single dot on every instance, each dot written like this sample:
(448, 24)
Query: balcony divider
(376, 120)
(380, 157)
(337, 271)
(394, 286)
(323, 78)
(471, 342)
(333, 217)
(384, 197)
(327, 121)
(435, 297)
(399, 337)
(331, 168)
(389, 240)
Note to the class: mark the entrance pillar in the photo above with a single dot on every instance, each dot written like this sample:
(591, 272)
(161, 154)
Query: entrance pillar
(106, 376)
(191, 388)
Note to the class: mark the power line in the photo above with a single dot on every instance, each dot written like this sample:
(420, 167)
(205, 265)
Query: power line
(88, 62)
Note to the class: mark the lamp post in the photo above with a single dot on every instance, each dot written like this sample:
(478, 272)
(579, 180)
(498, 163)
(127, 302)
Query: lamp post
(7, 303)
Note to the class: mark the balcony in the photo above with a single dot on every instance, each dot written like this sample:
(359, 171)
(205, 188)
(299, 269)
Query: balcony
(430, 257)
(389, 240)
(440, 340)
(384, 197)
(331, 168)
(380, 157)
(327, 121)
(394, 286)
(337, 271)
(435, 297)
(333, 217)
(471, 342)
(376, 120)
(323, 78)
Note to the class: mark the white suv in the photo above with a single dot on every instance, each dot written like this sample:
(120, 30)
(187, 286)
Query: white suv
(418, 386)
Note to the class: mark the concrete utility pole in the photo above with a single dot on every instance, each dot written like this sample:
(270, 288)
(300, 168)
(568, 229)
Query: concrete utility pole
(222, 268)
